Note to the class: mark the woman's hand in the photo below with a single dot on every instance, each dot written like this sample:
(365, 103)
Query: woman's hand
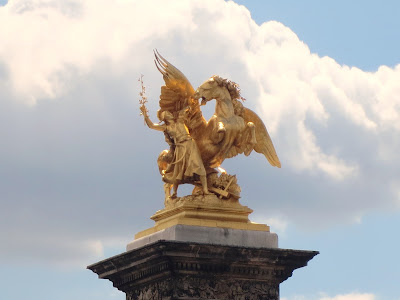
(143, 110)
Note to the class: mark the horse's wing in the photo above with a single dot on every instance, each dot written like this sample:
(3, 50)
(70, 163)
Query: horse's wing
(264, 143)
(177, 90)
(177, 93)
(240, 148)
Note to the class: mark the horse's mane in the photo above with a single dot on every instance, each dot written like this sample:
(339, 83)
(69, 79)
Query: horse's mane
(238, 108)
(232, 87)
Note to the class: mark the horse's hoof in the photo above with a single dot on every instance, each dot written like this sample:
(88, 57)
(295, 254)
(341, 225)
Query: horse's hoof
(221, 130)
(221, 127)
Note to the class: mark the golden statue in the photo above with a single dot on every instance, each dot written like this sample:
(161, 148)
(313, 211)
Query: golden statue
(183, 163)
(197, 146)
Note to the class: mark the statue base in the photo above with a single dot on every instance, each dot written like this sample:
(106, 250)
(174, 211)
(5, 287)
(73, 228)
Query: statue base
(209, 235)
(204, 211)
(202, 247)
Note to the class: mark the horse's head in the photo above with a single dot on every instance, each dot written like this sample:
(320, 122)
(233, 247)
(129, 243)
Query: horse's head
(208, 90)
(217, 88)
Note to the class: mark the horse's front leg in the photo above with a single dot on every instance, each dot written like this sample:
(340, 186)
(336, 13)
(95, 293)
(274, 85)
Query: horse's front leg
(251, 129)
(218, 130)
(221, 127)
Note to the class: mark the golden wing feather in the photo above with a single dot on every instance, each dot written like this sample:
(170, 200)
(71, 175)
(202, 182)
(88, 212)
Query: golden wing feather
(264, 143)
(233, 151)
(177, 90)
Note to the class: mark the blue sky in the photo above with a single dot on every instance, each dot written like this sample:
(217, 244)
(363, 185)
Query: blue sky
(355, 33)
(76, 183)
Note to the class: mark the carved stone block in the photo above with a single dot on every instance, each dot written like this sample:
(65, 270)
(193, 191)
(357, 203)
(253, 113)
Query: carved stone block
(171, 270)
(188, 287)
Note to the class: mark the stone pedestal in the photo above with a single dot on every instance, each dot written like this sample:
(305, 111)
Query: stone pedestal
(209, 235)
(172, 270)
(202, 248)
(205, 211)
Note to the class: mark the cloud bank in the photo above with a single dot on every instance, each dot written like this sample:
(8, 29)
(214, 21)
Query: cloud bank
(78, 165)
(350, 296)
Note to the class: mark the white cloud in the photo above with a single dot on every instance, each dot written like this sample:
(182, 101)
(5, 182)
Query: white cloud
(277, 224)
(335, 128)
(59, 251)
(351, 296)
(53, 43)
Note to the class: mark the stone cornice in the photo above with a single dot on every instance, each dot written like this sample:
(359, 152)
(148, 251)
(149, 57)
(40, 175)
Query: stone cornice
(163, 260)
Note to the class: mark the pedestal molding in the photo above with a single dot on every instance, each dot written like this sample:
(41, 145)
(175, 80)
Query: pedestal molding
(172, 270)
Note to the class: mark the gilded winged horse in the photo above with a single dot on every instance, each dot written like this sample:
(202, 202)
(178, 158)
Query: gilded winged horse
(232, 130)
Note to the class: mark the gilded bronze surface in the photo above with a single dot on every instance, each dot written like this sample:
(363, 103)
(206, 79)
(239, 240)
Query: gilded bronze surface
(198, 147)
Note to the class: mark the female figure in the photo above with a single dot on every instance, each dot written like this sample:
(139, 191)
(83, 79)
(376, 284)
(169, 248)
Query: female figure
(186, 165)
